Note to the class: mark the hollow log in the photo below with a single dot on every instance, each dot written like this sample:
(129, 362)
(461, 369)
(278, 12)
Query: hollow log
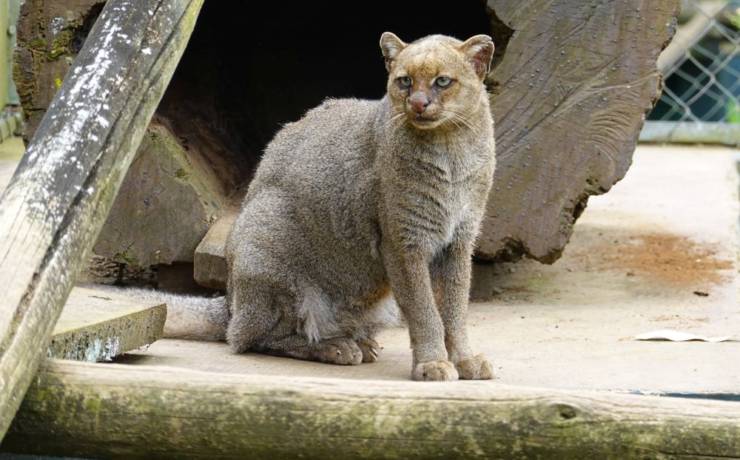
(128, 411)
(168, 201)
(570, 87)
(59, 197)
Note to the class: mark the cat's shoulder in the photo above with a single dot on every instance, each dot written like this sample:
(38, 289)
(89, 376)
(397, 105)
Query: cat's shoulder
(331, 118)
(351, 107)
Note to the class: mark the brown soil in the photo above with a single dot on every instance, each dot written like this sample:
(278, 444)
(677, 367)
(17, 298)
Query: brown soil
(661, 257)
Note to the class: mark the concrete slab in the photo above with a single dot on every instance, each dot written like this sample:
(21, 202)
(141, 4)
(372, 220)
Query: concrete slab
(659, 251)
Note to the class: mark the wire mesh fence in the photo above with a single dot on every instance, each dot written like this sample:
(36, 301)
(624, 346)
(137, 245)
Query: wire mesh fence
(701, 68)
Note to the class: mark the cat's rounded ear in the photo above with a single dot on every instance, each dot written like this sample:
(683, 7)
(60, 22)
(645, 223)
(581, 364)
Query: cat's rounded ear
(391, 45)
(479, 51)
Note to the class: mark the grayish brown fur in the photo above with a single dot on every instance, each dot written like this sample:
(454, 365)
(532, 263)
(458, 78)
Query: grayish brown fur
(362, 198)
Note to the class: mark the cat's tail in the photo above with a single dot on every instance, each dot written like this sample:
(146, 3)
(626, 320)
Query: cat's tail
(196, 318)
(188, 317)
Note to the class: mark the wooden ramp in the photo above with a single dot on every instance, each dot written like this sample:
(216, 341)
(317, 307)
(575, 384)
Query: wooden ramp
(100, 325)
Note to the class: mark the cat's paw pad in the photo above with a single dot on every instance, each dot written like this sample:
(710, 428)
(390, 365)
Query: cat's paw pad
(343, 351)
(370, 350)
(475, 368)
(435, 371)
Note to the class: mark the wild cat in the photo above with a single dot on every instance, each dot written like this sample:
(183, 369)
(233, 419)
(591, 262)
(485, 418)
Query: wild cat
(360, 200)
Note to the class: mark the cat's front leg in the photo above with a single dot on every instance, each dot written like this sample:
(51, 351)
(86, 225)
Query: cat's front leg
(408, 272)
(451, 282)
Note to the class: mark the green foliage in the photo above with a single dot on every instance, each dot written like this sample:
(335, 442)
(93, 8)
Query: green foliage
(735, 19)
(732, 114)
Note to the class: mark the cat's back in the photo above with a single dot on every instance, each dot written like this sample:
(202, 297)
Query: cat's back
(332, 142)
(316, 182)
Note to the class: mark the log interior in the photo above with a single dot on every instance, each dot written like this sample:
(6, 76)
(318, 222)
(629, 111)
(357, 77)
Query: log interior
(248, 70)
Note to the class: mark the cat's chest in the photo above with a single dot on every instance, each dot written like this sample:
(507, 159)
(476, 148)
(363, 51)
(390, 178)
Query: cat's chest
(430, 211)
(430, 192)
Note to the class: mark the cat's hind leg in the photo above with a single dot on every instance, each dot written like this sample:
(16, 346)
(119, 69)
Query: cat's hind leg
(256, 310)
(305, 328)
(261, 321)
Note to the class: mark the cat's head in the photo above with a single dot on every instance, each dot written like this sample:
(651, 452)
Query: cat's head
(437, 81)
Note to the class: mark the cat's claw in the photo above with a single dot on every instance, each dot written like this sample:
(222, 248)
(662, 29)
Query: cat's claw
(370, 350)
(343, 351)
(475, 368)
(435, 371)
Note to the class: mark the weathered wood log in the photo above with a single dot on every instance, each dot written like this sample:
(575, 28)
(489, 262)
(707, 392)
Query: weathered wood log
(572, 89)
(163, 179)
(126, 411)
(49, 36)
(55, 205)
(98, 325)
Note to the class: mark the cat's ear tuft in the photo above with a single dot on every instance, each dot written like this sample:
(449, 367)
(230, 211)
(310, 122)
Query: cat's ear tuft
(391, 45)
(479, 51)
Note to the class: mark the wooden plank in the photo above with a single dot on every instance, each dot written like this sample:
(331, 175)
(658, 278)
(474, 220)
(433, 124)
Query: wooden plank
(570, 95)
(97, 325)
(689, 34)
(209, 262)
(119, 411)
(53, 208)
(691, 132)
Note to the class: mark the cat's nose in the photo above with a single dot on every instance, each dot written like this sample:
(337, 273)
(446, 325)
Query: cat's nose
(419, 101)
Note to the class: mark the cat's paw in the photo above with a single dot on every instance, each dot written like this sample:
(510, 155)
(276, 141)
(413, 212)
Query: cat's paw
(435, 371)
(369, 348)
(475, 368)
(343, 351)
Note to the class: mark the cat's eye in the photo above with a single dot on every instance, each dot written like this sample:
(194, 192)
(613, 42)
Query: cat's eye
(404, 82)
(443, 82)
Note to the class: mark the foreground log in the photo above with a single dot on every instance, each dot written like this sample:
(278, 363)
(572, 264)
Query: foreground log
(572, 90)
(125, 411)
(57, 201)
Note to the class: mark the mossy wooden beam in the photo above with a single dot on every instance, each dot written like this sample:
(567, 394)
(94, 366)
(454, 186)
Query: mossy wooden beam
(54, 207)
(129, 411)
(97, 325)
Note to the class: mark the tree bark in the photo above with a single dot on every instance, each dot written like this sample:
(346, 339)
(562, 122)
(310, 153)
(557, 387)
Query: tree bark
(60, 195)
(570, 96)
(126, 411)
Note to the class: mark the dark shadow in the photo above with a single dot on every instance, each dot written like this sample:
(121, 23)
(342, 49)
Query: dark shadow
(247, 70)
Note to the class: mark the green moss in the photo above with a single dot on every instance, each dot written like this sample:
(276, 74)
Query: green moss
(181, 174)
(37, 43)
(124, 257)
(60, 45)
(92, 405)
